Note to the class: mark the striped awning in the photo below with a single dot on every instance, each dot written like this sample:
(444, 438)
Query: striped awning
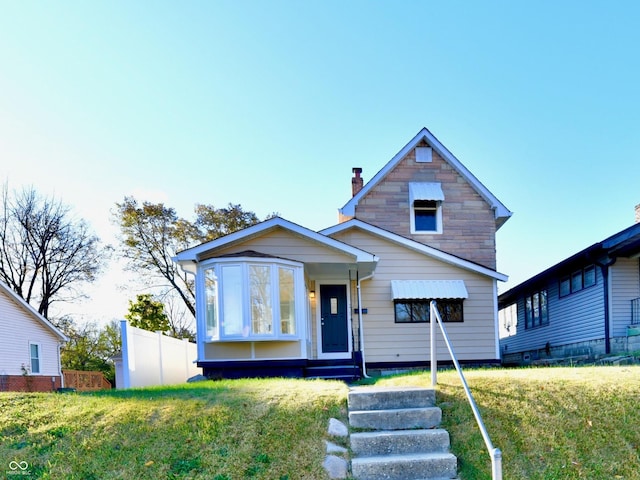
(427, 289)
(425, 191)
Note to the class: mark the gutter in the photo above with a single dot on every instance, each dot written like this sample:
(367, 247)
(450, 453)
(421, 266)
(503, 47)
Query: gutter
(360, 324)
(604, 268)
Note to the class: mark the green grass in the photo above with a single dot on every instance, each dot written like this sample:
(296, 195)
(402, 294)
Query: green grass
(550, 423)
(245, 429)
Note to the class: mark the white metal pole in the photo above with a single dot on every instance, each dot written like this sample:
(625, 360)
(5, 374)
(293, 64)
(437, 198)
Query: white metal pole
(434, 355)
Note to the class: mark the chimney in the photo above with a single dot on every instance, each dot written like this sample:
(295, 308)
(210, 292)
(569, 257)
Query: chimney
(356, 181)
(638, 213)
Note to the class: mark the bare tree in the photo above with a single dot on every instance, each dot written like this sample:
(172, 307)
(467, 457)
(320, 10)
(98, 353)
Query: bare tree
(45, 254)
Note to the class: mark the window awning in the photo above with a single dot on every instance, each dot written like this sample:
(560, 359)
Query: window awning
(428, 289)
(425, 191)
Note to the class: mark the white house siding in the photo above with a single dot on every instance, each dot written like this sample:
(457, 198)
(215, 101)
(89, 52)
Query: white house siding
(387, 341)
(577, 317)
(625, 286)
(17, 329)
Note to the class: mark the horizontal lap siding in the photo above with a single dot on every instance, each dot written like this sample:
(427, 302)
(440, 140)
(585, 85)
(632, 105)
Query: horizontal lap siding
(284, 244)
(246, 351)
(386, 341)
(575, 318)
(625, 286)
(18, 329)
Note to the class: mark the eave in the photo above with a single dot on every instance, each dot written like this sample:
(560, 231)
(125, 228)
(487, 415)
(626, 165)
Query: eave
(501, 212)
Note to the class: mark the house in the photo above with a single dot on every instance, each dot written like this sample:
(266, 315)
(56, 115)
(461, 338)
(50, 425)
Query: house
(29, 347)
(586, 306)
(279, 299)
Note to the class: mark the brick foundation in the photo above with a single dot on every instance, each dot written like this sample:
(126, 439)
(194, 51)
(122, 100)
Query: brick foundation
(29, 383)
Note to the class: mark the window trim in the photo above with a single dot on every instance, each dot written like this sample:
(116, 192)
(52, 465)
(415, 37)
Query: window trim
(438, 218)
(216, 333)
(562, 293)
(531, 320)
(425, 191)
(426, 303)
(38, 358)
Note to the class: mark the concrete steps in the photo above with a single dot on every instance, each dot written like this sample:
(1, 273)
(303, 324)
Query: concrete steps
(402, 442)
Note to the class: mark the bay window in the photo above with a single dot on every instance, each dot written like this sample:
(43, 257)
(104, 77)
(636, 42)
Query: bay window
(252, 300)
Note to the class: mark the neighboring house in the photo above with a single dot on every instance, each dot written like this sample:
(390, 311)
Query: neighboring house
(280, 299)
(29, 347)
(583, 307)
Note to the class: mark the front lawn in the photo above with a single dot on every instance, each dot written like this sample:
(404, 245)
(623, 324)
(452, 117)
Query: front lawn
(550, 423)
(225, 430)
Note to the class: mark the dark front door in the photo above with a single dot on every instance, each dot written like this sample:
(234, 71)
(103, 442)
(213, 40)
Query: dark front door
(333, 313)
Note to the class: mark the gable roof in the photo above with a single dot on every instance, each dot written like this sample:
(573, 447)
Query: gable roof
(417, 246)
(32, 312)
(502, 213)
(625, 243)
(194, 253)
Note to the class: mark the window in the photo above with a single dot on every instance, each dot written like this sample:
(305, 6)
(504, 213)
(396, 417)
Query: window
(578, 280)
(232, 311)
(425, 202)
(287, 301)
(535, 310)
(418, 311)
(211, 300)
(425, 215)
(508, 317)
(260, 294)
(251, 300)
(589, 274)
(34, 351)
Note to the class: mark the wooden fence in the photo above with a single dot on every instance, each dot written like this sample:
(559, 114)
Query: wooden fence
(84, 381)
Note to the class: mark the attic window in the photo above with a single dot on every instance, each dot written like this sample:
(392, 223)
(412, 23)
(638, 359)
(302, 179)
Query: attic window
(424, 155)
(425, 201)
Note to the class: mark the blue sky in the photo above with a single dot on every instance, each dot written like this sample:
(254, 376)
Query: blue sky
(271, 103)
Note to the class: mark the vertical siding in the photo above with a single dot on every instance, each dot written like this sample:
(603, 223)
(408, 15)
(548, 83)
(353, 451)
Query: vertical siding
(17, 329)
(625, 286)
(387, 341)
(574, 318)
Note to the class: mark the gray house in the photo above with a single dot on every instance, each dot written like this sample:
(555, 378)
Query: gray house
(585, 306)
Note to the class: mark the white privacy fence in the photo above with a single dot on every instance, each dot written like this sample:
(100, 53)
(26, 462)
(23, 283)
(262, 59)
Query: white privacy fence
(151, 358)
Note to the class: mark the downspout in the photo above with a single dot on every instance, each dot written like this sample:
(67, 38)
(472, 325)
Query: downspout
(60, 365)
(604, 267)
(360, 324)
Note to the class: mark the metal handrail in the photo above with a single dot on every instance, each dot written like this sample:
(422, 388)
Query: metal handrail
(494, 453)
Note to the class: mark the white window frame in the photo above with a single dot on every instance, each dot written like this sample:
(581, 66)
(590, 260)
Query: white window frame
(433, 193)
(217, 334)
(438, 215)
(39, 358)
